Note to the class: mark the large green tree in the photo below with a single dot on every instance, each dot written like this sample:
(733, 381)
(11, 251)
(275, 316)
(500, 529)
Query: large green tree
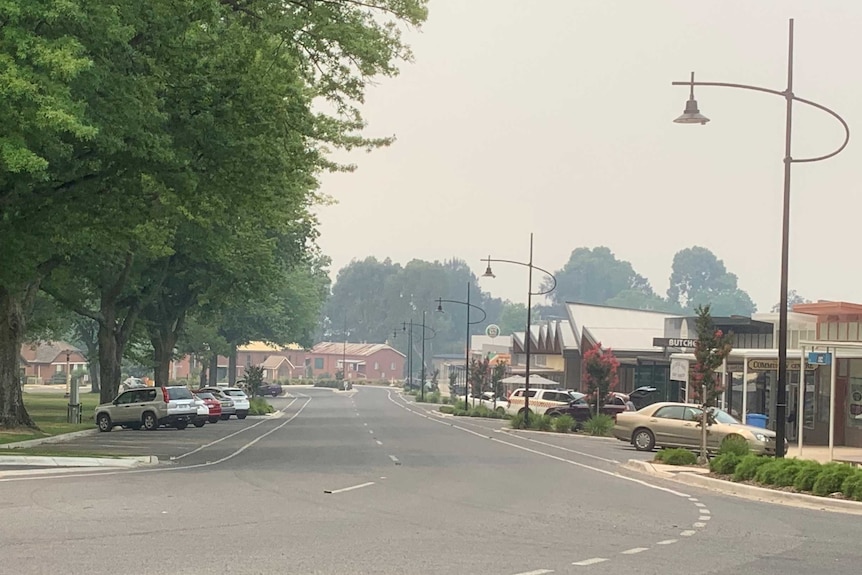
(699, 278)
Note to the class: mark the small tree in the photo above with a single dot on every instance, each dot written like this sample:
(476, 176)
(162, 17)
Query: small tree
(600, 368)
(253, 379)
(710, 351)
(479, 369)
(435, 379)
(498, 374)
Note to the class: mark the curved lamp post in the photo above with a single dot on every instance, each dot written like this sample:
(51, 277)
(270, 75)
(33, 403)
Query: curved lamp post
(440, 302)
(408, 327)
(692, 115)
(530, 293)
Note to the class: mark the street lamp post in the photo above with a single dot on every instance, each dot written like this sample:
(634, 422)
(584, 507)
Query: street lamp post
(408, 327)
(440, 302)
(73, 414)
(692, 116)
(530, 293)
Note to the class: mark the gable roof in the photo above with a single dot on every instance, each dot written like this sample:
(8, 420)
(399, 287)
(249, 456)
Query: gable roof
(46, 351)
(264, 346)
(275, 361)
(549, 337)
(354, 349)
(615, 327)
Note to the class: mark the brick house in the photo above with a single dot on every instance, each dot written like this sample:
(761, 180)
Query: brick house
(370, 361)
(45, 362)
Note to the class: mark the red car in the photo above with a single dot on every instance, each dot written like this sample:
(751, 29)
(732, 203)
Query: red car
(212, 403)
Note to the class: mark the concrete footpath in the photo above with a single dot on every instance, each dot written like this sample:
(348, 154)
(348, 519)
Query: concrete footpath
(45, 461)
(699, 477)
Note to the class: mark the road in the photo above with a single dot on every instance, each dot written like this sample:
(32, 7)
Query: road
(366, 482)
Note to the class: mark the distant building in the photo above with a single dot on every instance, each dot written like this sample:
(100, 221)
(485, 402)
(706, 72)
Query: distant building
(371, 361)
(45, 362)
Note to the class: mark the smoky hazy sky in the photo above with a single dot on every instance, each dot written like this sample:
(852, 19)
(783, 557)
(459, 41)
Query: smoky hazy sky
(555, 117)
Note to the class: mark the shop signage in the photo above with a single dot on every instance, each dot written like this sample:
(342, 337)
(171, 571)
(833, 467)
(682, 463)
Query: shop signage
(492, 331)
(674, 342)
(679, 370)
(820, 358)
(772, 365)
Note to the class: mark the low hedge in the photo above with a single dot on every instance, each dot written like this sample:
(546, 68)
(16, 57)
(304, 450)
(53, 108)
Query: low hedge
(676, 456)
(802, 475)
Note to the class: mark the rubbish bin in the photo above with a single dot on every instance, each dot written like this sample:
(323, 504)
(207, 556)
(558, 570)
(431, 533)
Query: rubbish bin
(757, 420)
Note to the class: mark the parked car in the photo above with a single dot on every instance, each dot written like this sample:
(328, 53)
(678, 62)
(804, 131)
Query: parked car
(203, 414)
(213, 405)
(486, 399)
(643, 396)
(228, 407)
(580, 409)
(240, 400)
(670, 424)
(541, 400)
(148, 407)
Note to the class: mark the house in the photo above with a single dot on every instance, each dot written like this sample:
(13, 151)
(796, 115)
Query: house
(370, 361)
(46, 361)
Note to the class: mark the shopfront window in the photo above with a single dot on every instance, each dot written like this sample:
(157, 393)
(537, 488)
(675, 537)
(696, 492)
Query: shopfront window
(854, 391)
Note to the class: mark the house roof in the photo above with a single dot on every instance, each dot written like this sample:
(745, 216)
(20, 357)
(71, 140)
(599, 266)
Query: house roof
(552, 336)
(275, 361)
(354, 349)
(264, 346)
(617, 328)
(823, 307)
(46, 351)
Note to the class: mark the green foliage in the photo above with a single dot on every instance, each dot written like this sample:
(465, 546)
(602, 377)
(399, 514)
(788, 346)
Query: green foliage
(699, 278)
(807, 475)
(253, 379)
(564, 424)
(767, 473)
(748, 466)
(852, 486)
(448, 409)
(725, 463)
(735, 444)
(519, 421)
(831, 478)
(541, 422)
(677, 456)
(259, 406)
(480, 370)
(330, 383)
(599, 425)
(433, 397)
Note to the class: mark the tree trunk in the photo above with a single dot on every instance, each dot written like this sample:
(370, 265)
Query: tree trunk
(93, 368)
(231, 365)
(164, 341)
(110, 352)
(13, 414)
(214, 369)
(203, 375)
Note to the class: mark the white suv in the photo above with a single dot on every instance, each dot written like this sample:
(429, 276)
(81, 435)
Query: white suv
(541, 400)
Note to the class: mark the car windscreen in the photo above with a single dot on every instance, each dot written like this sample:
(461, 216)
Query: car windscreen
(205, 395)
(235, 393)
(179, 393)
(723, 417)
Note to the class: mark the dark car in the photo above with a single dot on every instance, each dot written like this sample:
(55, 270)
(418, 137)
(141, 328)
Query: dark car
(272, 389)
(580, 410)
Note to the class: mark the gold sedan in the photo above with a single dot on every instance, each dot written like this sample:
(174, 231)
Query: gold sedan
(669, 424)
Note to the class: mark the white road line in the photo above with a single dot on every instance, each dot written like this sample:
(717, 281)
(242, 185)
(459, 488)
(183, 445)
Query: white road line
(345, 489)
(211, 443)
(705, 512)
(635, 550)
(692, 498)
(566, 449)
(687, 533)
(667, 542)
(378, 442)
(698, 525)
(394, 460)
(371, 431)
(704, 518)
(592, 561)
(699, 505)
(536, 572)
(365, 424)
(548, 455)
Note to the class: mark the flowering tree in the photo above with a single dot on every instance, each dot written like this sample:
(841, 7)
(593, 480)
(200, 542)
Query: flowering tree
(711, 349)
(600, 373)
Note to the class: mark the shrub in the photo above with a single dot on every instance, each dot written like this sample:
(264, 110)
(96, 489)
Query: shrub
(564, 424)
(734, 444)
(725, 463)
(767, 473)
(330, 383)
(541, 422)
(599, 425)
(481, 411)
(433, 397)
(677, 456)
(807, 476)
(259, 406)
(788, 472)
(831, 478)
(748, 466)
(447, 409)
(852, 486)
(458, 404)
(518, 422)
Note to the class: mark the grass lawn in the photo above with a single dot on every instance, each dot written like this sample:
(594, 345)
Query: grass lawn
(48, 410)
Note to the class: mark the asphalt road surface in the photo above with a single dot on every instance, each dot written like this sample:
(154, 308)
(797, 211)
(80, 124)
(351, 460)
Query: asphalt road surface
(366, 482)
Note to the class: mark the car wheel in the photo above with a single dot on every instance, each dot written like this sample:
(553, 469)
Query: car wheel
(213, 419)
(199, 423)
(643, 439)
(525, 411)
(275, 394)
(182, 425)
(501, 411)
(104, 422)
(150, 421)
(241, 415)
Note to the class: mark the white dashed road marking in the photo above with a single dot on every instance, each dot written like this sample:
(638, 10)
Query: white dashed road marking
(378, 442)
(395, 460)
(704, 518)
(698, 525)
(592, 561)
(536, 572)
(345, 489)
(667, 542)
(635, 550)
(687, 533)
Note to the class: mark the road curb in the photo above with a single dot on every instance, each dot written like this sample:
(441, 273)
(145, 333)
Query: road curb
(44, 461)
(50, 439)
(751, 492)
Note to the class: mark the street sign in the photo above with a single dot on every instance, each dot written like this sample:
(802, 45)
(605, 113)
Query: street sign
(492, 331)
(679, 370)
(820, 358)
(674, 342)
